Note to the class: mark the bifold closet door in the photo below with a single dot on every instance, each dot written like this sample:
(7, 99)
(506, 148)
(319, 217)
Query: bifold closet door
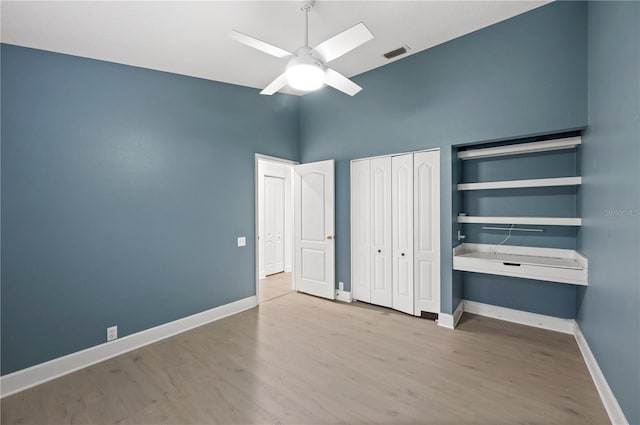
(426, 174)
(381, 274)
(361, 230)
(402, 232)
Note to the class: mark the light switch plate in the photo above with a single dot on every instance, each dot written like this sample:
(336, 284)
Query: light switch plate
(242, 241)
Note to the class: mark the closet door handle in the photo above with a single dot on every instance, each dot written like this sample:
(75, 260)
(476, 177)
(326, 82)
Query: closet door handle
(402, 254)
(379, 251)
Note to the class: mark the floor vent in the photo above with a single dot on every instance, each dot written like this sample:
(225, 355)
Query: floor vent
(428, 315)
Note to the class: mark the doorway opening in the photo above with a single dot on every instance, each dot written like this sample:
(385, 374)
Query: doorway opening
(274, 227)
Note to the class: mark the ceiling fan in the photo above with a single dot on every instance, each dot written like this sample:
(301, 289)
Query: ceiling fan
(307, 69)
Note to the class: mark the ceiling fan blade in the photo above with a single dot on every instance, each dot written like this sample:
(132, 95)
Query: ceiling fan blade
(344, 42)
(275, 85)
(258, 44)
(340, 82)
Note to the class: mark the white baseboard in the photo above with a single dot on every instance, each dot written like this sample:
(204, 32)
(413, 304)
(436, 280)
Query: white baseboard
(450, 321)
(457, 314)
(344, 296)
(616, 415)
(262, 275)
(288, 269)
(445, 320)
(557, 324)
(43, 372)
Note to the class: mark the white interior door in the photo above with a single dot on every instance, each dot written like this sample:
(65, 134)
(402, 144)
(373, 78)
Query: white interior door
(402, 231)
(427, 231)
(314, 244)
(381, 288)
(273, 225)
(361, 230)
(268, 243)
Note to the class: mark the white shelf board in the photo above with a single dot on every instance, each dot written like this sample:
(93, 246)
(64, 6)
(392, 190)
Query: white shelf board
(521, 148)
(536, 221)
(514, 184)
(548, 264)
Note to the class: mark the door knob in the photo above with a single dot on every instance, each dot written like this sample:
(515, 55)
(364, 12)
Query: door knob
(329, 237)
(402, 254)
(379, 251)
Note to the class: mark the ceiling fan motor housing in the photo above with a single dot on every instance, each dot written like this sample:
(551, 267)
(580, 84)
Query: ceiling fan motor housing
(304, 56)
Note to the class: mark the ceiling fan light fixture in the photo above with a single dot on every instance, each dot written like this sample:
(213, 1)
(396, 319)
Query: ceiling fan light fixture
(304, 72)
(305, 77)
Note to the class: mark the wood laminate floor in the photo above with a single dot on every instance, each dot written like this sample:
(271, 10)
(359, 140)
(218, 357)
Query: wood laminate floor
(298, 359)
(274, 286)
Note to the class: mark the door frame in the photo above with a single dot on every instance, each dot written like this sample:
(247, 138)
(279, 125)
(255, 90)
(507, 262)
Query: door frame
(256, 213)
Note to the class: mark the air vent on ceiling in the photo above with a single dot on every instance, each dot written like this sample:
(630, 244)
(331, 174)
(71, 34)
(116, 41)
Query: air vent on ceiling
(397, 52)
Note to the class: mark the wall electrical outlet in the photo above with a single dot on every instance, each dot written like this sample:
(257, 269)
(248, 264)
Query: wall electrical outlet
(112, 333)
(242, 241)
(341, 286)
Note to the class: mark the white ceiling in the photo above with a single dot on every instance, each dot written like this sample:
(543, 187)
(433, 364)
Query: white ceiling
(189, 38)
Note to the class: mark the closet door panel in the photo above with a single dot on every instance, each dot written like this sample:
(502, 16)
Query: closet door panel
(361, 230)
(381, 290)
(427, 231)
(402, 232)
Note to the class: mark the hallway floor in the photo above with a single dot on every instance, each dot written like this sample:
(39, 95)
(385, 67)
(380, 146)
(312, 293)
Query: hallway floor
(275, 286)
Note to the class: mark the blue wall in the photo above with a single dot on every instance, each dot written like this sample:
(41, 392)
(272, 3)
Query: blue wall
(507, 81)
(609, 309)
(123, 192)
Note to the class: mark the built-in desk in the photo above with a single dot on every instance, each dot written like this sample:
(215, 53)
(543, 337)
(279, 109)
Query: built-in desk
(549, 264)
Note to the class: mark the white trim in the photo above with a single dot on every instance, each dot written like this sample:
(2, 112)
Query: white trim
(457, 314)
(536, 221)
(521, 317)
(394, 154)
(43, 372)
(344, 296)
(514, 184)
(616, 415)
(275, 159)
(521, 148)
(450, 321)
(445, 320)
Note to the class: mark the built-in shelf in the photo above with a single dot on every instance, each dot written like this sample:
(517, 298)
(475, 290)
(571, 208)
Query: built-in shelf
(514, 184)
(521, 148)
(548, 264)
(536, 221)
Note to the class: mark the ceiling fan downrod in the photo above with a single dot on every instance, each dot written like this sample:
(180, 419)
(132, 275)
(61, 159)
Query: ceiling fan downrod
(306, 8)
